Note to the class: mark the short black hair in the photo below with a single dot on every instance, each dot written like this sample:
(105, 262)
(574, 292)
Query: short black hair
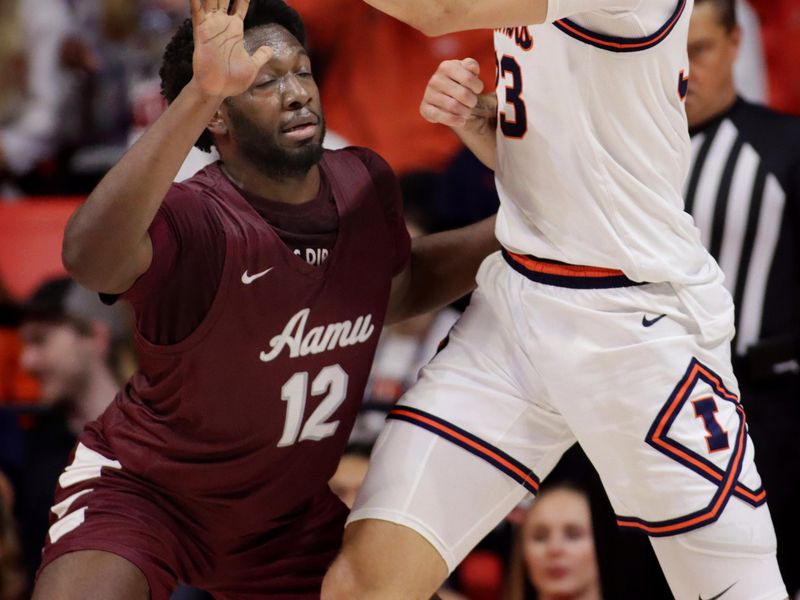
(176, 66)
(46, 304)
(726, 12)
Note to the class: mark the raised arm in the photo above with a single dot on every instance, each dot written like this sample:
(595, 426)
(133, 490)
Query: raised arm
(442, 269)
(453, 97)
(106, 245)
(437, 17)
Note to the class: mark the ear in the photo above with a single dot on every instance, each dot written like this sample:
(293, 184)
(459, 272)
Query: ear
(736, 38)
(217, 125)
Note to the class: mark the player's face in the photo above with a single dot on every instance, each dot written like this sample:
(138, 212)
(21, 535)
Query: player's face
(278, 123)
(558, 545)
(712, 52)
(58, 357)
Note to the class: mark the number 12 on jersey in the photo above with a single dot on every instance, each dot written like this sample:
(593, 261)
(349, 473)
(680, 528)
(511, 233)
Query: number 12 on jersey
(518, 126)
(331, 379)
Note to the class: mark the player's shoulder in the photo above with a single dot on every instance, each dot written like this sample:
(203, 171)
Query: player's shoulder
(383, 176)
(373, 161)
(193, 193)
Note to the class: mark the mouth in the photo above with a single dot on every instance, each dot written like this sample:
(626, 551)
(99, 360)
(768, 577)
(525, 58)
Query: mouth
(301, 128)
(557, 573)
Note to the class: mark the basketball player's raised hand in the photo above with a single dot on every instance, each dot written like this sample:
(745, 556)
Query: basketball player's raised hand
(453, 97)
(222, 66)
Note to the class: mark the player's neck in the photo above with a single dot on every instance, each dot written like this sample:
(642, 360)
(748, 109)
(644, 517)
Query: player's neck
(290, 189)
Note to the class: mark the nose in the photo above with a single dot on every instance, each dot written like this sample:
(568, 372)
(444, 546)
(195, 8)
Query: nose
(555, 547)
(295, 94)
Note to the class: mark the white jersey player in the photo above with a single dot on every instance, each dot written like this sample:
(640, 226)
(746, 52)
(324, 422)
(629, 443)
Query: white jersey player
(604, 320)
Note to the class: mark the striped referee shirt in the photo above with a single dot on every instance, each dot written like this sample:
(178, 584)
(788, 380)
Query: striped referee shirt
(743, 190)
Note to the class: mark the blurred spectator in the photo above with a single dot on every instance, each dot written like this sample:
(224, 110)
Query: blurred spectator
(34, 87)
(555, 557)
(116, 52)
(374, 70)
(16, 386)
(744, 193)
(71, 344)
(466, 192)
(12, 577)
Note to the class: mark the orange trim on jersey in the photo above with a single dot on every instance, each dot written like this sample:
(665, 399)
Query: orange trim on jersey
(471, 443)
(563, 270)
(622, 45)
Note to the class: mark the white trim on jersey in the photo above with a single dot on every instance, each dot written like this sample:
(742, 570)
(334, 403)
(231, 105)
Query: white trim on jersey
(87, 465)
(69, 523)
(62, 507)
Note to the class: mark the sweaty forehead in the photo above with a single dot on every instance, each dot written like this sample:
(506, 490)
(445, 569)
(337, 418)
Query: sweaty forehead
(273, 35)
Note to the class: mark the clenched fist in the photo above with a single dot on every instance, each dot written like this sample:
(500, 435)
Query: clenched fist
(453, 97)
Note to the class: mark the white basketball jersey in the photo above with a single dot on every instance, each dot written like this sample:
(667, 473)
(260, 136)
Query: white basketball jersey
(593, 144)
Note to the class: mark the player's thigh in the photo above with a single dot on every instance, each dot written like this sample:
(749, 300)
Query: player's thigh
(658, 413)
(467, 443)
(91, 575)
(287, 561)
(376, 560)
(116, 520)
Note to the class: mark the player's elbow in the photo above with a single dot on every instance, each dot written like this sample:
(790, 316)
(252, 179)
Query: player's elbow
(433, 27)
(73, 256)
(92, 266)
(75, 259)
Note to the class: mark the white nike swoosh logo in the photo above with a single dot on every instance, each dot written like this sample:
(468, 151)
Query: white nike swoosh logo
(248, 279)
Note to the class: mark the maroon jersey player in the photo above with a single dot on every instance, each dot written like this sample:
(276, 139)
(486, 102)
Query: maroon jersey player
(259, 286)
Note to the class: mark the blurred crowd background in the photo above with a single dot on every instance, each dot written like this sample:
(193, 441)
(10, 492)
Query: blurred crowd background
(79, 83)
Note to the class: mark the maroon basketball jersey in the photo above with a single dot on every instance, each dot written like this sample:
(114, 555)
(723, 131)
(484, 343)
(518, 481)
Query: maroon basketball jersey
(246, 418)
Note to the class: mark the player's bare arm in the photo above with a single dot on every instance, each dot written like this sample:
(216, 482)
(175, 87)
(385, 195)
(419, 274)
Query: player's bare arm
(106, 245)
(437, 17)
(453, 98)
(442, 269)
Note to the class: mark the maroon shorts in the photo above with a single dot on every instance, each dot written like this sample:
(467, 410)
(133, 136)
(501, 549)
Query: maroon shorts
(118, 513)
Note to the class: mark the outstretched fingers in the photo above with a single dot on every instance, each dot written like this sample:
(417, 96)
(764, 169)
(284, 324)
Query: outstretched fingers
(241, 8)
(215, 5)
(197, 10)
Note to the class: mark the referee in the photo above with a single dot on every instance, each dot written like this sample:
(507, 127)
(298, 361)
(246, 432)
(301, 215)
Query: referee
(743, 190)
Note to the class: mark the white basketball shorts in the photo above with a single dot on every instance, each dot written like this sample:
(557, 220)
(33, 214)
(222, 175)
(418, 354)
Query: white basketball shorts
(547, 354)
